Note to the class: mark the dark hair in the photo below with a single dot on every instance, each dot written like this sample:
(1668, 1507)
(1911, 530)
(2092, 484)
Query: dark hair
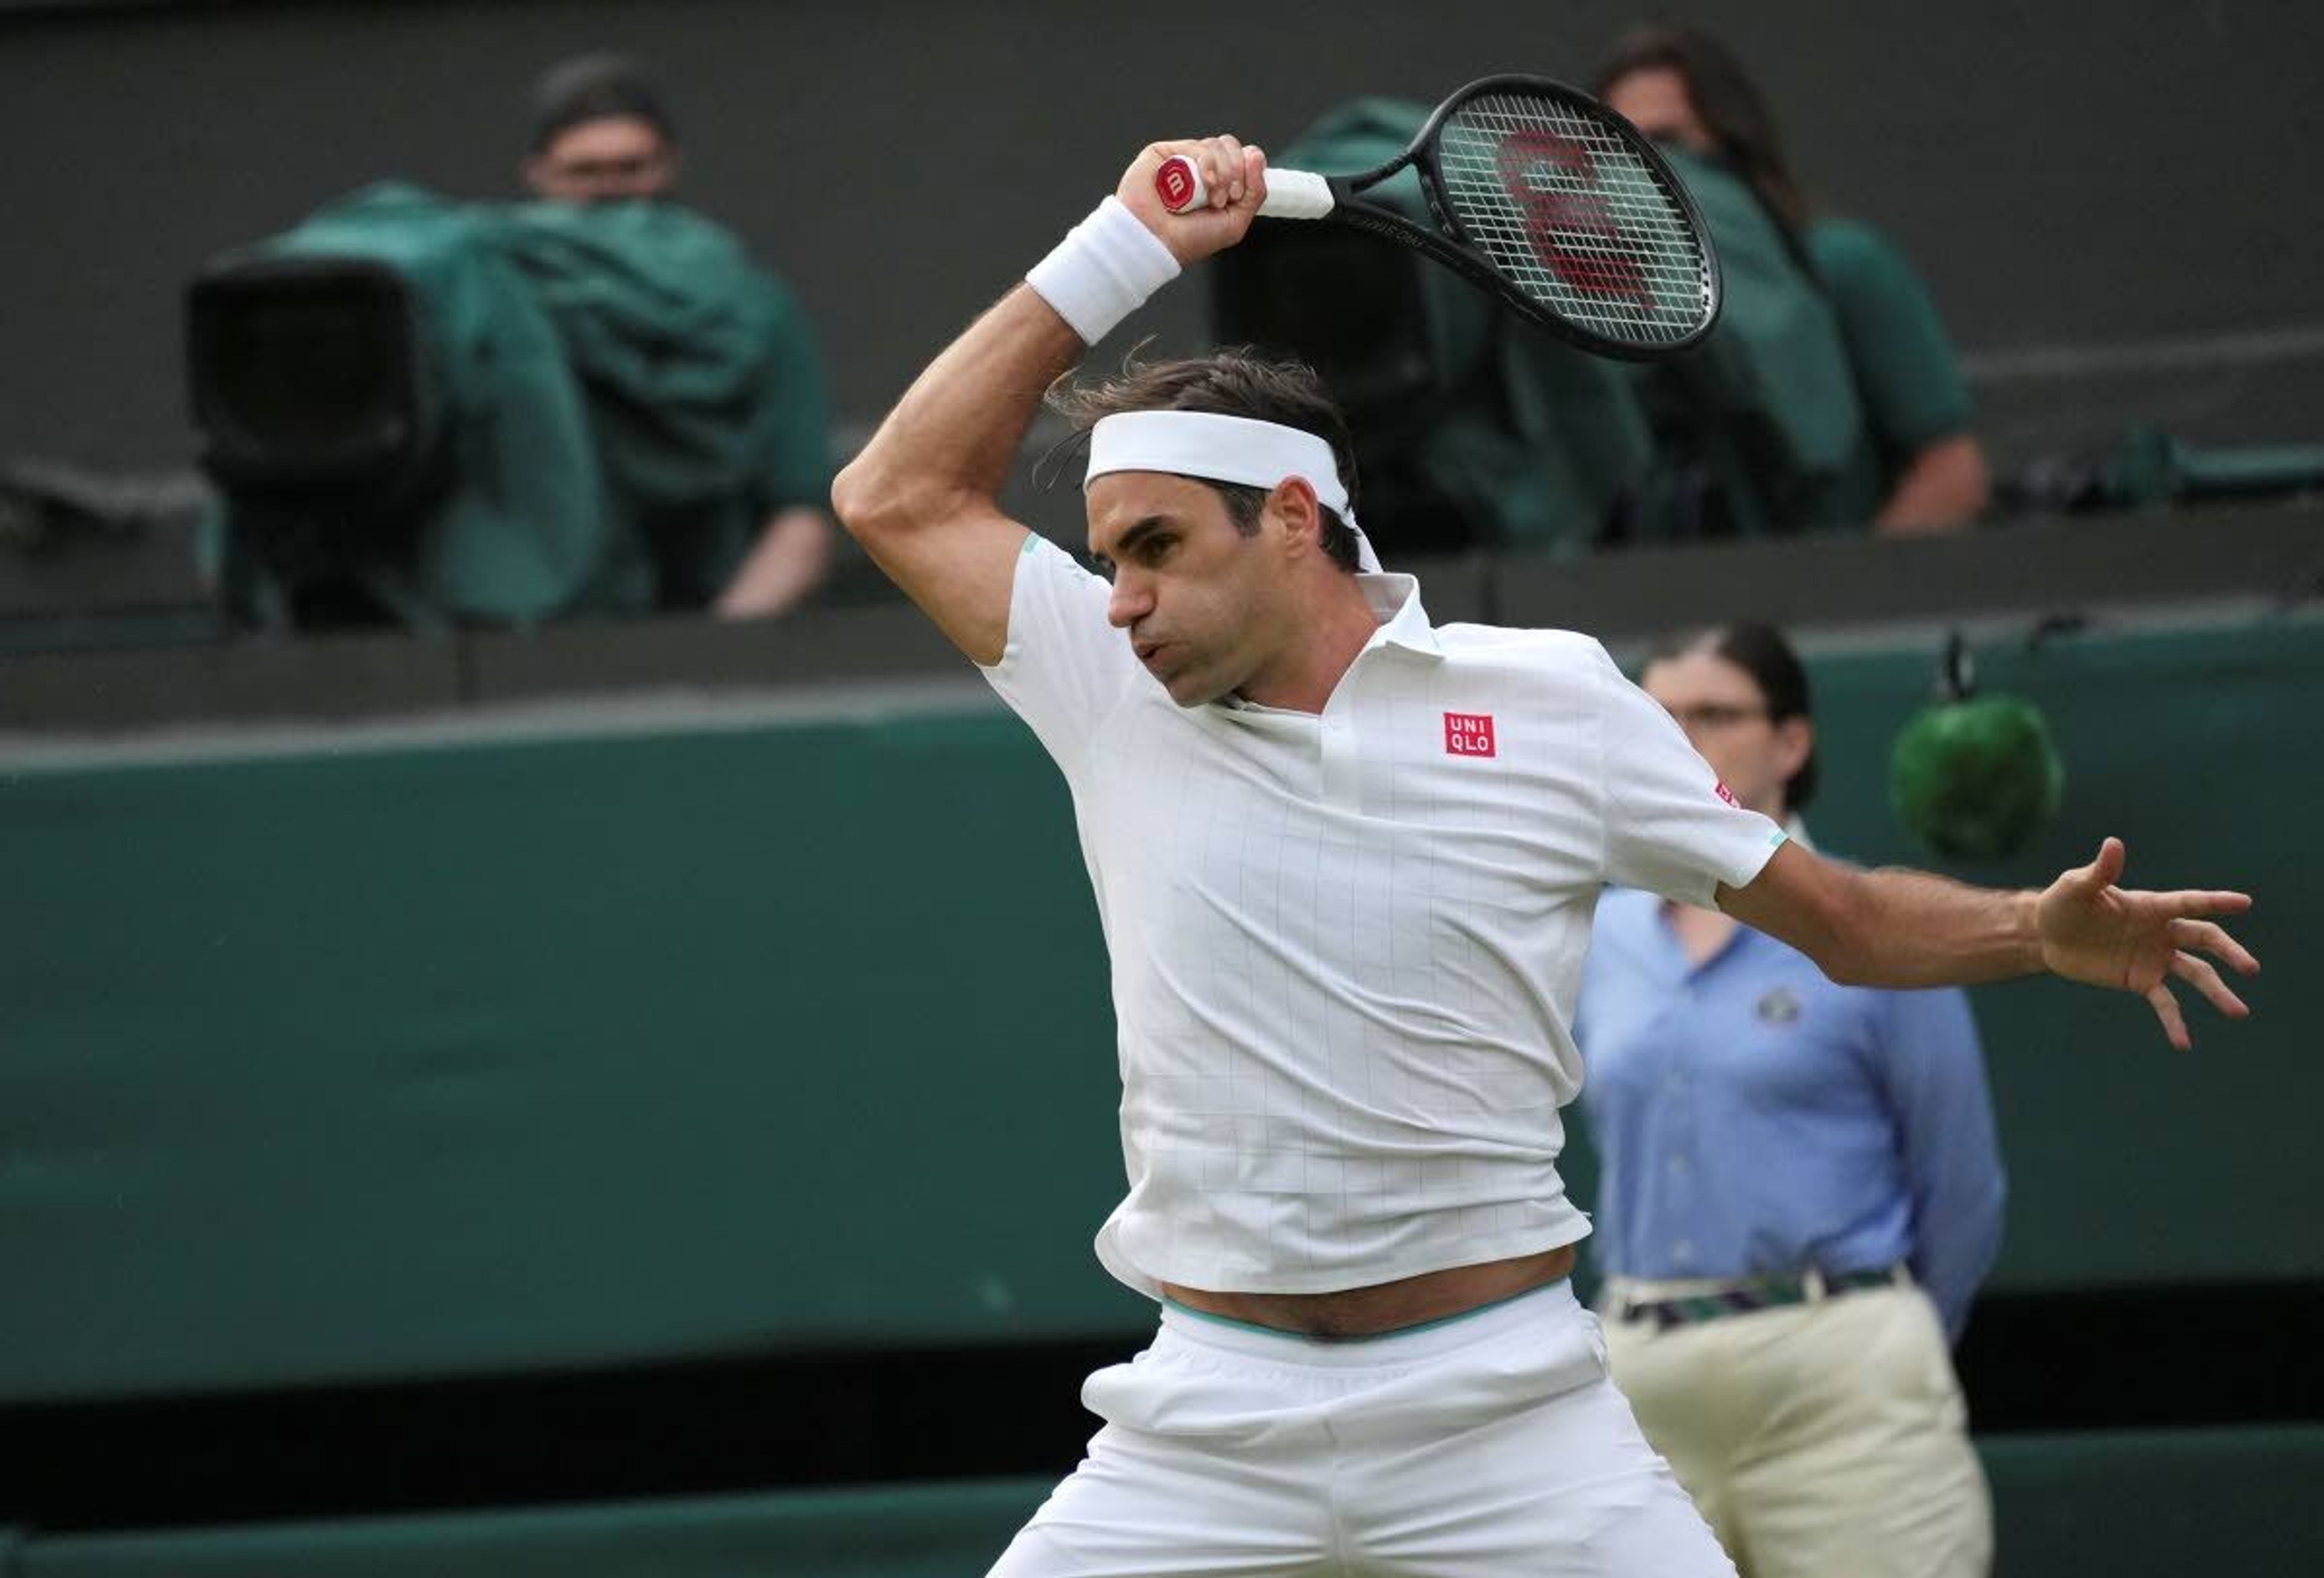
(1761, 652)
(1234, 382)
(1724, 100)
(595, 87)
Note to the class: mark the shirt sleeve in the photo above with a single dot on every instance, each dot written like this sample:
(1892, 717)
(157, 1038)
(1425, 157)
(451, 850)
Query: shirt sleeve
(1934, 1073)
(1905, 371)
(1671, 827)
(1063, 666)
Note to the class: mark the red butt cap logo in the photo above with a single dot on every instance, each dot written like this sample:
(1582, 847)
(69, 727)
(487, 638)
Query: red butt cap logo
(1174, 183)
(1724, 792)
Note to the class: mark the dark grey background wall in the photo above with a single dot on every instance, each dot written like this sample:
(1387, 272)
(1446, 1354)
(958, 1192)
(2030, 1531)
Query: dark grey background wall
(2115, 197)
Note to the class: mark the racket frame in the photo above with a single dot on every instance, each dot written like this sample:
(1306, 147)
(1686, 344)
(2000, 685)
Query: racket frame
(1460, 254)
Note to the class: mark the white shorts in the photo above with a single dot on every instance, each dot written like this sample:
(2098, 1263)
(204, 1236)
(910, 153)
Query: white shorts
(1488, 1446)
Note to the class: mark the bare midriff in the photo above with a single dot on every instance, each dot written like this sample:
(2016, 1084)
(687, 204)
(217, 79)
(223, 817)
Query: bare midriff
(1385, 1306)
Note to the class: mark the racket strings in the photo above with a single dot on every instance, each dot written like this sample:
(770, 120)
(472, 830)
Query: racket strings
(1570, 213)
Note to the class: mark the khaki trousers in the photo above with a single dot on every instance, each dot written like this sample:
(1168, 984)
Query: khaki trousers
(1825, 1439)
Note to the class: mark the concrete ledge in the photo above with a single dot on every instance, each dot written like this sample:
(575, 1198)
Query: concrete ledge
(2271, 554)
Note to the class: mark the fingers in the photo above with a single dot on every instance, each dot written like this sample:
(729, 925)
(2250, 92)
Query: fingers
(2193, 901)
(2205, 937)
(1222, 176)
(1241, 180)
(2166, 1009)
(2104, 869)
(2199, 974)
(1230, 173)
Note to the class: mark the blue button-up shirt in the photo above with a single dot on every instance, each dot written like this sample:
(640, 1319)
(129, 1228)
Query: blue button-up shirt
(1753, 1118)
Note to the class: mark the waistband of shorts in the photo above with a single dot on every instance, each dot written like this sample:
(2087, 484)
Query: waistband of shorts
(1405, 1345)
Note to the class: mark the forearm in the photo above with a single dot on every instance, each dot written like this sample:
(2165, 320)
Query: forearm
(1943, 488)
(787, 561)
(1905, 928)
(955, 433)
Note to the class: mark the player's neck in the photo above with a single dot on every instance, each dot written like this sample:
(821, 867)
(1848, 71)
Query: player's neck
(1333, 627)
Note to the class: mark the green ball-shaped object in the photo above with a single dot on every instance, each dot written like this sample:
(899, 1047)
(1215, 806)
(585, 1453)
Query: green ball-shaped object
(1974, 779)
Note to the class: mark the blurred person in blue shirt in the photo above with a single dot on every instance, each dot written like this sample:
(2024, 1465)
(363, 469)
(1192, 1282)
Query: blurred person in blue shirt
(1800, 1190)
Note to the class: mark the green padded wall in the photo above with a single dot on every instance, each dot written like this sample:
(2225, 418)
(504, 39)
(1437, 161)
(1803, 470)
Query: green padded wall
(479, 1056)
(921, 1531)
(2131, 1503)
(2202, 749)
(474, 1058)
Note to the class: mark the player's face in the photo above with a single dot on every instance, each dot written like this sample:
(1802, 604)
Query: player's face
(603, 160)
(1201, 602)
(1654, 99)
(1725, 715)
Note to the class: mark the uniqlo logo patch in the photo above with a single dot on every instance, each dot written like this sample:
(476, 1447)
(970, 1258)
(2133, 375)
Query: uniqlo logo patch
(1469, 734)
(1728, 795)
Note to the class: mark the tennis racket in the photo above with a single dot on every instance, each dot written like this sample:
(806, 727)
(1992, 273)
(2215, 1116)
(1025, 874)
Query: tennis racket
(1543, 197)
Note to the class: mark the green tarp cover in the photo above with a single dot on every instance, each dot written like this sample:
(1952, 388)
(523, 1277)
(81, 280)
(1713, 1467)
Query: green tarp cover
(617, 383)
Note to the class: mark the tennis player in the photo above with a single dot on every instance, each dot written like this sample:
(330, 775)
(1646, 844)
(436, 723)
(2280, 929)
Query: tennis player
(1346, 861)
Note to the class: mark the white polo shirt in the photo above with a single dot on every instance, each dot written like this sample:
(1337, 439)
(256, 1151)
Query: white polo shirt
(1345, 946)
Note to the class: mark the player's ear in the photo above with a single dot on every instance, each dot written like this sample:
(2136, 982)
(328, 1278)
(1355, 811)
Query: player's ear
(1293, 503)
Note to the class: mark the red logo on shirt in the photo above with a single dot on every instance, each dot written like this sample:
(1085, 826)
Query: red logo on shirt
(1469, 734)
(1728, 795)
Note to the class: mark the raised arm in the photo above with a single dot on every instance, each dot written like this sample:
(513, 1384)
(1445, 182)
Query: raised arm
(1895, 928)
(923, 496)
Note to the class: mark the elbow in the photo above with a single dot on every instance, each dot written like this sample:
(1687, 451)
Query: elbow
(877, 501)
(863, 499)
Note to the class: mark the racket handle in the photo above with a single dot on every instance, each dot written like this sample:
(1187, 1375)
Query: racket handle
(1291, 194)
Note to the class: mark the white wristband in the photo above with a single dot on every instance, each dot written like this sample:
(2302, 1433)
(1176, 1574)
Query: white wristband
(1104, 268)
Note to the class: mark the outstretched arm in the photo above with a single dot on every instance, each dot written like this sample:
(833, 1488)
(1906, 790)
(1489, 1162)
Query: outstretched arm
(922, 498)
(1895, 927)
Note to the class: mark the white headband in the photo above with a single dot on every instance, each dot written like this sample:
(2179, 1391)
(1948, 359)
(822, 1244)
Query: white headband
(1223, 449)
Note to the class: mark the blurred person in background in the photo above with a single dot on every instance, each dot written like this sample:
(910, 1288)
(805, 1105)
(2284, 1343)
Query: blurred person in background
(1918, 467)
(601, 136)
(1801, 1190)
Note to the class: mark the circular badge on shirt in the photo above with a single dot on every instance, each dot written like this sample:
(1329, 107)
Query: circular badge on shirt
(1779, 1006)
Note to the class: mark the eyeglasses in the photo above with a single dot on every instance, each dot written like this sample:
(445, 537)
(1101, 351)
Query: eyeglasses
(1709, 717)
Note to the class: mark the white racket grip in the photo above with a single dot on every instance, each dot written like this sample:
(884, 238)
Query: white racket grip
(1291, 194)
(1296, 194)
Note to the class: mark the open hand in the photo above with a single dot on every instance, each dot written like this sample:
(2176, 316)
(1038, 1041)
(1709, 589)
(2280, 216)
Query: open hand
(2102, 935)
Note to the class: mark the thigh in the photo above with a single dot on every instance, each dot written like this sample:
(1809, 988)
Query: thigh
(1143, 1506)
(1870, 1471)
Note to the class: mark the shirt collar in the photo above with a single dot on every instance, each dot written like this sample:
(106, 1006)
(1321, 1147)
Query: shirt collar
(1394, 602)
